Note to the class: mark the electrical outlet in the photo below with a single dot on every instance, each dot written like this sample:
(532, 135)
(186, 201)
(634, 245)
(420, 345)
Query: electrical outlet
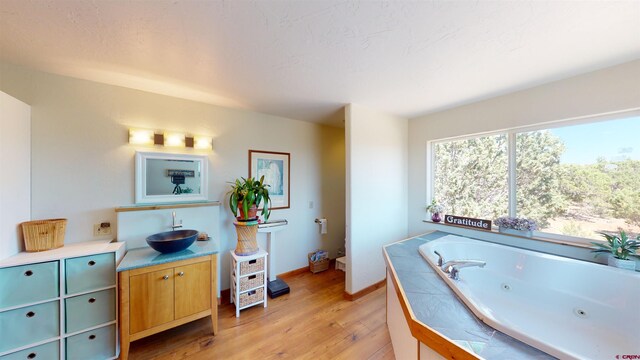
(102, 229)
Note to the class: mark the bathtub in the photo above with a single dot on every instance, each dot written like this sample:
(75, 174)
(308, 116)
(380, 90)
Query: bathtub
(567, 308)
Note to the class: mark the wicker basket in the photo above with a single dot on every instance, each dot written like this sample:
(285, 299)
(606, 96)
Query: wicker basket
(251, 281)
(251, 297)
(43, 235)
(318, 266)
(251, 266)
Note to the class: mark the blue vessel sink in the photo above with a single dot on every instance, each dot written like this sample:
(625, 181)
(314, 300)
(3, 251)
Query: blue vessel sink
(172, 241)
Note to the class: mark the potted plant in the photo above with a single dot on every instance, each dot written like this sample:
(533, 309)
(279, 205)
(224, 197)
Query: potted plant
(516, 226)
(244, 197)
(619, 247)
(436, 210)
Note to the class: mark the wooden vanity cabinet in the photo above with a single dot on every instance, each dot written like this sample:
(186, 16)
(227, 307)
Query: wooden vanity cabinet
(160, 297)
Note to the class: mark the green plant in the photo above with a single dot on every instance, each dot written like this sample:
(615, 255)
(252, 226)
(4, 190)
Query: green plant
(434, 207)
(620, 246)
(249, 192)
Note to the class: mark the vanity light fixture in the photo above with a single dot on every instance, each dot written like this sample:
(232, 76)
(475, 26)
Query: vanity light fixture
(202, 142)
(141, 137)
(173, 139)
(169, 139)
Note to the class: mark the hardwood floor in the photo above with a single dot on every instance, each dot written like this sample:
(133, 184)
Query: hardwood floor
(312, 322)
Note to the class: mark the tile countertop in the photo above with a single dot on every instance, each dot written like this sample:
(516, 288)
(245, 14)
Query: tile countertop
(146, 256)
(438, 307)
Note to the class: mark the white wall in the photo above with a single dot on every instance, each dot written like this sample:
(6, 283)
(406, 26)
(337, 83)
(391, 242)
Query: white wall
(613, 89)
(15, 172)
(83, 167)
(376, 150)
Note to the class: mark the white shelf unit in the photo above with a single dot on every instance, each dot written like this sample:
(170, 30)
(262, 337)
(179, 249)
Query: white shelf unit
(94, 332)
(246, 288)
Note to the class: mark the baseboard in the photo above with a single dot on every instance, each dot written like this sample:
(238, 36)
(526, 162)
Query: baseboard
(363, 292)
(225, 297)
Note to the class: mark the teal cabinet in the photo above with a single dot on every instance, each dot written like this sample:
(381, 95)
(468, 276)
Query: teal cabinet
(89, 273)
(98, 344)
(28, 284)
(85, 311)
(29, 325)
(48, 351)
(60, 304)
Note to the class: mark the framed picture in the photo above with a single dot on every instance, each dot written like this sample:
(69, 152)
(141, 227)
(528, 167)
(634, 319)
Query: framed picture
(274, 166)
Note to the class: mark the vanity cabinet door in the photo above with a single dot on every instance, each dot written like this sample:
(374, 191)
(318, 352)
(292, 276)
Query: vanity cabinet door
(193, 289)
(151, 299)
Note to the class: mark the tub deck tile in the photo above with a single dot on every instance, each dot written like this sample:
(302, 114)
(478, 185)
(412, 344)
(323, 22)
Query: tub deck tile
(425, 283)
(437, 306)
(482, 335)
(410, 266)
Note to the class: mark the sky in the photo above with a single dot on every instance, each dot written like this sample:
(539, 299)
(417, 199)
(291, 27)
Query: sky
(614, 140)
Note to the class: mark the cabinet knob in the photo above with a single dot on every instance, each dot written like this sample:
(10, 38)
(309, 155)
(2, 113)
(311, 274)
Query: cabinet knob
(31, 314)
(166, 277)
(91, 263)
(91, 337)
(28, 273)
(32, 356)
(181, 273)
(92, 300)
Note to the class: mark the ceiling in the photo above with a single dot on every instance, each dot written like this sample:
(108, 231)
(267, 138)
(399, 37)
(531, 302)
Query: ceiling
(307, 59)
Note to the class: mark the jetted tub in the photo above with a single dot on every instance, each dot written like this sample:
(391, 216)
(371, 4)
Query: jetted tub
(570, 309)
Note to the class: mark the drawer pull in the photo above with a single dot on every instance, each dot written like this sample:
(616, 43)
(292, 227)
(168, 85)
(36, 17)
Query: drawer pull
(92, 300)
(91, 263)
(253, 261)
(31, 314)
(181, 273)
(92, 337)
(252, 277)
(32, 356)
(28, 273)
(166, 277)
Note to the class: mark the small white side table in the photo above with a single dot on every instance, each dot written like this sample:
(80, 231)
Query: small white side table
(248, 280)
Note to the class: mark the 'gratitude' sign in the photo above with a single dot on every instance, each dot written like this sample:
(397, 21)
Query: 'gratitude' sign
(479, 224)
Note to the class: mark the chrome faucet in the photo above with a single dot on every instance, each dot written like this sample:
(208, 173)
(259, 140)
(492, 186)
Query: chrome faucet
(440, 258)
(453, 267)
(174, 225)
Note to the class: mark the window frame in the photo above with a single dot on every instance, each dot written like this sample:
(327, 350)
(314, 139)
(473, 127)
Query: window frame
(511, 134)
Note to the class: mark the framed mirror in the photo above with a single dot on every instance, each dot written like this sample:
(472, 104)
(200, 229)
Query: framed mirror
(169, 178)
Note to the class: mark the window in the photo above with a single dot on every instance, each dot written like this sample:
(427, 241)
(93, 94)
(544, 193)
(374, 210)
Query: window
(472, 176)
(575, 180)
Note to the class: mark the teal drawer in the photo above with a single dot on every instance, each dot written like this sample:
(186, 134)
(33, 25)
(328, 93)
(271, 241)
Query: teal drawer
(96, 344)
(28, 325)
(48, 351)
(90, 272)
(85, 311)
(28, 283)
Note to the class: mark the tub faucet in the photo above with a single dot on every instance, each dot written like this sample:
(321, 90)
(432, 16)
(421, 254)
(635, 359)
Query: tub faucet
(174, 225)
(440, 258)
(453, 267)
